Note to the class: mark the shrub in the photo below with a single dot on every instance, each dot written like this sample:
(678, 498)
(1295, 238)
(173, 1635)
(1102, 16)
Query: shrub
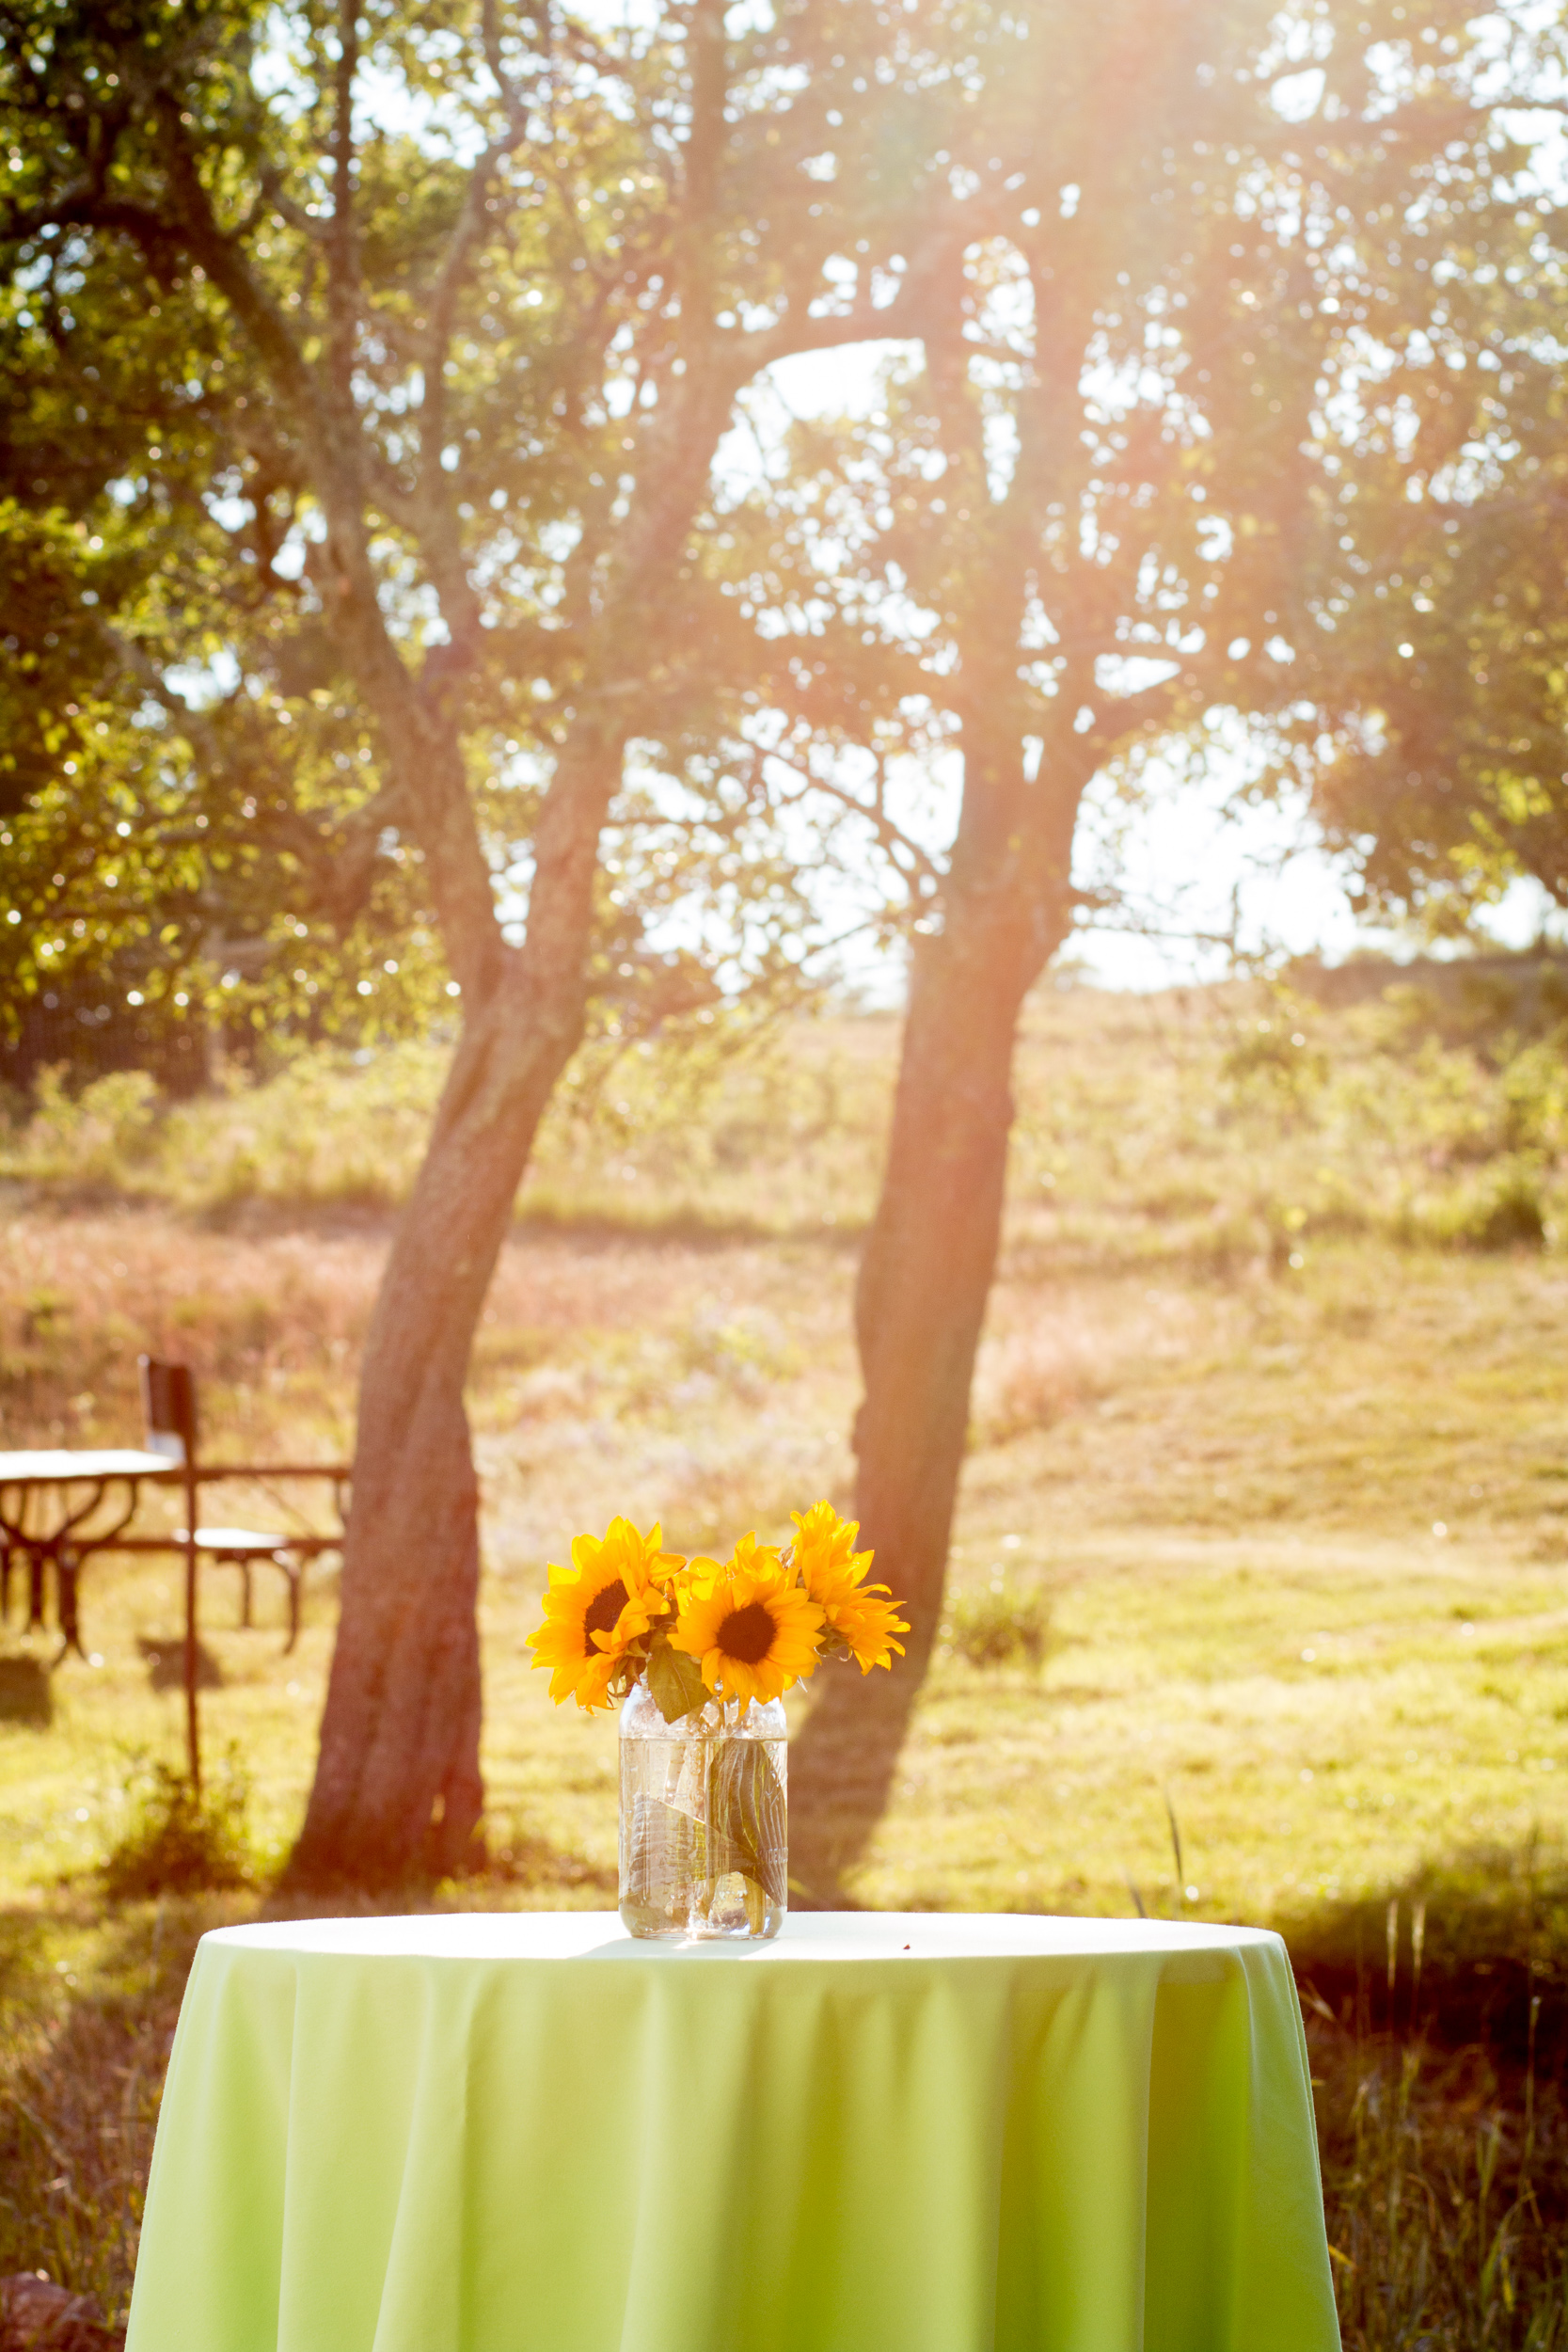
(1000, 1625)
(1505, 1209)
(91, 1137)
(178, 1840)
(1513, 1217)
(1272, 1066)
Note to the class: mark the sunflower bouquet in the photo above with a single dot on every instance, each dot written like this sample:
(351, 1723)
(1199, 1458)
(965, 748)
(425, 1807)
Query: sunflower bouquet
(704, 1632)
(702, 1649)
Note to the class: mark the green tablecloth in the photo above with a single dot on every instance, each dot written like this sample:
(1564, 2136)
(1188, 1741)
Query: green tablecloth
(527, 2132)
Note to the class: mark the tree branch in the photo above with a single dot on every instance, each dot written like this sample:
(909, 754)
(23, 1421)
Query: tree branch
(343, 259)
(891, 835)
(433, 513)
(223, 258)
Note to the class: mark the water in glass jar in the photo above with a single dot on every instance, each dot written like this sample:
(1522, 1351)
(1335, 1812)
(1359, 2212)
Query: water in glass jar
(703, 1822)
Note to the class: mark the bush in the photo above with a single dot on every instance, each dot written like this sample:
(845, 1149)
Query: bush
(177, 1840)
(1513, 1217)
(1271, 1066)
(325, 1130)
(1505, 1209)
(94, 1137)
(1001, 1626)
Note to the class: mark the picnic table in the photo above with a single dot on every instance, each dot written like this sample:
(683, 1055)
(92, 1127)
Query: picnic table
(48, 1497)
(50, 1502)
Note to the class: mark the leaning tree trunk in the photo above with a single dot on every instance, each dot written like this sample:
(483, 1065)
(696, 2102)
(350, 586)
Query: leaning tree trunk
(397, 1787)
(920, 1303)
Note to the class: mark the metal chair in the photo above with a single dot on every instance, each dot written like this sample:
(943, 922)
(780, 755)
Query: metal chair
(170, 1414)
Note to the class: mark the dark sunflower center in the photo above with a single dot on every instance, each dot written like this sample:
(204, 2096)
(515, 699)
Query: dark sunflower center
(602, 1611)
(747, 1634)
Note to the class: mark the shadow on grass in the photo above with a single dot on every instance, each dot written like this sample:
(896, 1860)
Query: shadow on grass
(1457, 1953)
(165, 1663)
(26, 1969)
(26, 1694)
(534, 1864)
(1440, 2110)
(81, 2071)
(89, 1996)
(842, 1764)
(1435, 2021)
(502, 1862)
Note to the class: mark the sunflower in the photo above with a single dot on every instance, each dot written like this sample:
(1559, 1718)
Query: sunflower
(865, 1622)
(824, 1556)
(834, 1573)
(596, 1609)
(752, 1627)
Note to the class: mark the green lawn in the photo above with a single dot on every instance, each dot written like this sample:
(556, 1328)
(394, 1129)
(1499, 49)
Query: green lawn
(1254, 1613)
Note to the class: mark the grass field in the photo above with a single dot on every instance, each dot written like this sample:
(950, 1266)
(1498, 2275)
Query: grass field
(1270, 1430)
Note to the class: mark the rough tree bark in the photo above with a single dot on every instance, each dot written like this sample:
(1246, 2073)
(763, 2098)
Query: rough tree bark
(397, 1780)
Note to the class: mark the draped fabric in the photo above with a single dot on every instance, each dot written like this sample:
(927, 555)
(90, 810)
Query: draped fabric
(515, 2132)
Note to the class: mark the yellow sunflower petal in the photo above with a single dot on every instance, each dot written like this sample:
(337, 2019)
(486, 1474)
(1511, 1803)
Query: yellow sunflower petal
(866, 1624)
(596, 1609)
(823, 1555)
(753, 1630)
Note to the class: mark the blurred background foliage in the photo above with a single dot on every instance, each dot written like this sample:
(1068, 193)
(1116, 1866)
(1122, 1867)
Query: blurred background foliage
(198, 847)
(1419, 1101)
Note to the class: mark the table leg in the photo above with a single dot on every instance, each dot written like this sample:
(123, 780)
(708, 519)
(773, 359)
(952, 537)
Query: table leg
(67, 1568)
(192, 1724)
(35, 1588)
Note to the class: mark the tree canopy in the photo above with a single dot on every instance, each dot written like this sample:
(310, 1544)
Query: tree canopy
(1437, 577)
(212, 715)
(1246, 398)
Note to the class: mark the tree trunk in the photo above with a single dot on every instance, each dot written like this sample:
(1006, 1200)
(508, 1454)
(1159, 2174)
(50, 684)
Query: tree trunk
(398, 1787)
(929, 1257)
(920, 1303)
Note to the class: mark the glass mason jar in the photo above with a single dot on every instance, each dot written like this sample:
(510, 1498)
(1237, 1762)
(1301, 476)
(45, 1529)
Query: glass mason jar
(703, 1820)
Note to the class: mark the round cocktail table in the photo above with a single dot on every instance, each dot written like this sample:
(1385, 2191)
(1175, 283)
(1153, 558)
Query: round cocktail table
(525, 2132)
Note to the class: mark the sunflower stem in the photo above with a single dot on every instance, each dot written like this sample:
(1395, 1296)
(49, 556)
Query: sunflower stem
(710, 1883)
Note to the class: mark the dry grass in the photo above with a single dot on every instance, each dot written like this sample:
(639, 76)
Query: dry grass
(1261, 1428)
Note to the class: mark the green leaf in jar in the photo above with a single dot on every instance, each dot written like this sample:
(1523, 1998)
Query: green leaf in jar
(675, 1681)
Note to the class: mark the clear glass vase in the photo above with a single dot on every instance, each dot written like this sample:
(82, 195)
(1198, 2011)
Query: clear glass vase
(703, 1820)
